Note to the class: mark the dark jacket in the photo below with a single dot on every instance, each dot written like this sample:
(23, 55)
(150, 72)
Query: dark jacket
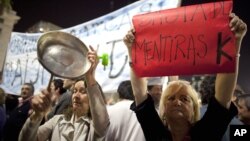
(15, 122)
(154, 130)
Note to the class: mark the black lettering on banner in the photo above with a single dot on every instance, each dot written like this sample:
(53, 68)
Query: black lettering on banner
(165, 19)
(204, 46)
(220, 45)
(26, 66)
(18, 73)
(191, 48)
(73, 32)
(21, 45)
(185, 14)
(94, 26)
(219, 8)
(180, 39)
(37, 74)
(239, 132)
(90, 29)
(86, 30)
(110, 27)
(171, 48)
(125, 20)
(146, 21)
(112, 60)
(157, 52)
(166, 47)
(163, 43)
(140, 47)
(147, 51)
(197, 9)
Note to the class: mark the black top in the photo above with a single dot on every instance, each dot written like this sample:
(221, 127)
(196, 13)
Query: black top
(63, 103)
(211, 127)
(15, 122)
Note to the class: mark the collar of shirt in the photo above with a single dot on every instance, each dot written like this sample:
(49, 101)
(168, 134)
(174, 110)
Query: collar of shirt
(71, 121)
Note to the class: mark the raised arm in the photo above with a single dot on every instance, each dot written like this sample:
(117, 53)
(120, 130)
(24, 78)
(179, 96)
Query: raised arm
(139, 84)
(96, 99)
(226, 82)
(30, 132)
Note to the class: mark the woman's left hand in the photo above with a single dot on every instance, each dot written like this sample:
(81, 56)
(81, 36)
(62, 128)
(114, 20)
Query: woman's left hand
(237, 26)
(94, 60)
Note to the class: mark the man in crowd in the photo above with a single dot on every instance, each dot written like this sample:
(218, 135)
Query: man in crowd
(19, 115)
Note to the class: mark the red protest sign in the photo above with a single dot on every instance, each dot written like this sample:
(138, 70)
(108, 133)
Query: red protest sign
(187, 40)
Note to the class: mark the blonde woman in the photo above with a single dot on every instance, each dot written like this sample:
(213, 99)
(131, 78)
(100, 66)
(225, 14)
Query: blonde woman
(179, 108)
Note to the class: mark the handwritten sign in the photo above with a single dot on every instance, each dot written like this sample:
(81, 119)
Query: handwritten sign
(182, 41)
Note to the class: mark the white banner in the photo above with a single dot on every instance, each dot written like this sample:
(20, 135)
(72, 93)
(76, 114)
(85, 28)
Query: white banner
(104, 33)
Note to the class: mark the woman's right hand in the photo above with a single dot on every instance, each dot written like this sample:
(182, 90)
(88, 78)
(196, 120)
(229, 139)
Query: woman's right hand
(41, 103)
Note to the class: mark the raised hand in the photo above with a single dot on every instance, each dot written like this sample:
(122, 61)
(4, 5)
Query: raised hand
(239, 28)
(41, 103)
(94, 60)
(129, 40)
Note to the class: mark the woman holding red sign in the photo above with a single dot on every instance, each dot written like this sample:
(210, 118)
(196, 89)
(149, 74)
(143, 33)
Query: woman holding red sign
(179, 106)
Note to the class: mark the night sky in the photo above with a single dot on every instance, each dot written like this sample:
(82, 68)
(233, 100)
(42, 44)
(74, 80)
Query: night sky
(64, 13)
(68, 13)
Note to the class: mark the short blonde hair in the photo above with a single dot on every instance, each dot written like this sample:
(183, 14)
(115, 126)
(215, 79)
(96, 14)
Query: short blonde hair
(174, 87)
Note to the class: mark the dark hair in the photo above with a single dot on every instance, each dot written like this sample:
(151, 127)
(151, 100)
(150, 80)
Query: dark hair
(246, 98)
(207, 88)
(11, 102)
(150, 87)
(31, 86)
(238, 91)
(58, 83)
(125, 90)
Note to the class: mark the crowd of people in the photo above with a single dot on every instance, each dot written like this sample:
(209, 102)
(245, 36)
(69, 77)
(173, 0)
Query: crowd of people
(75, 110)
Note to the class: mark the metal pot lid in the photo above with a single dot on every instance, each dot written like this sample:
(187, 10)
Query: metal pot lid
(63, 54)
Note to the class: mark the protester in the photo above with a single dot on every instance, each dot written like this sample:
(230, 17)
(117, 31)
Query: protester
(18, 116)
(155, 86)
(207, 91)
(179, 105)
(124, 125)
(60, 100)
(87, 119)
(2, 112)
(243, 105)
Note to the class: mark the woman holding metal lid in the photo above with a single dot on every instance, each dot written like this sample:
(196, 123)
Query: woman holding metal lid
(87, 119)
